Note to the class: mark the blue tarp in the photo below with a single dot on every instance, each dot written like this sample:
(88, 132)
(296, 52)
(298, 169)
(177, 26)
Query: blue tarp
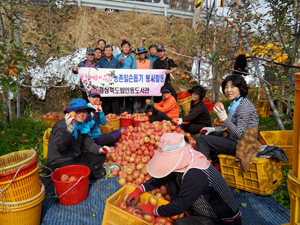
(260, 210)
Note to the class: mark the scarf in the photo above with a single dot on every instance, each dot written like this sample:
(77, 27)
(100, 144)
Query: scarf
(83, 128)
(233, 106)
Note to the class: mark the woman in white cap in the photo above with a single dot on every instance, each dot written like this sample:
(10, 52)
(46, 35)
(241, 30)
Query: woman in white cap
(201, 189)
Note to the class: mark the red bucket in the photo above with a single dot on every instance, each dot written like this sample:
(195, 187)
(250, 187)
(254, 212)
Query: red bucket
(126, 122)
(23, 171)
(137, 123)
(209, 104)
(72, 192)
(183, 94)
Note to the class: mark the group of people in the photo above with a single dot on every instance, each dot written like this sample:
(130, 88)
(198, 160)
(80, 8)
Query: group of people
(102, 57)
(194, 185)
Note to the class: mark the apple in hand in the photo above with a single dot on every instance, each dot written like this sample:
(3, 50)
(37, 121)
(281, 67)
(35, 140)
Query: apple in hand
(148, 101)
(219, 105)
(72, 114)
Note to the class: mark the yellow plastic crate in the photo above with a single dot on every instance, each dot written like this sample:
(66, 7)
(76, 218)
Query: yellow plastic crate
(45, 142)
(263, 177)
(294, 192)
(50, 121)
(117, 216)
(282, 139)
(106, 128)
(116, 123)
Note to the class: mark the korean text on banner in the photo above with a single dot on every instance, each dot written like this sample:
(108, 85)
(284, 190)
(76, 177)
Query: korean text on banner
(119, 82)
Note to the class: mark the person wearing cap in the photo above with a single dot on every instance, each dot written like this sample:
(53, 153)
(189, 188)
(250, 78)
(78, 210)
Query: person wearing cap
(194, 185)
(198, 116)
(94, 119)
(127, 61)
(133, 52)
(167, 109)
(89, 62)
(98, 54)
(152, 50)
(69, 136)
(167, 64)
(238, 136)
(139, 103)
(110, 104)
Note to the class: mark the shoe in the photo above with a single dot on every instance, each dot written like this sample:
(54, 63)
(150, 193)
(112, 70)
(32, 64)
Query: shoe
(112, 166)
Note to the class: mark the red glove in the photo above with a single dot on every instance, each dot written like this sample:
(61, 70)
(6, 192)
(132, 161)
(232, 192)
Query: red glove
(133, 198)
(148, 209)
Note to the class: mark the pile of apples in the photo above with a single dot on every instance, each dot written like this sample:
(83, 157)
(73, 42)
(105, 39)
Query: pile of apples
(66, 177)
(51, 115)
(136, 147)
(140, 117)
(111, 116)
(156, 220)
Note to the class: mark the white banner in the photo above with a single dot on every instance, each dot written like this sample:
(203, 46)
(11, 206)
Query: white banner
(123, 82)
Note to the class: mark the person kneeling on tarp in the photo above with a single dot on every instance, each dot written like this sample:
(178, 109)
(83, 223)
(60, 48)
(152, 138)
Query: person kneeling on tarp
(194, 185)
(94, 119)
(198, 116)
(69, 137)
(167, 109)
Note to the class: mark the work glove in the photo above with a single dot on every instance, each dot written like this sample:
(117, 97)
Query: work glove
(151, 103)
(69, 122)
(134, 197)
(104, 150)
(207, 130)
(147, 209)
(221, 112)
(98, 108)
(179, 121)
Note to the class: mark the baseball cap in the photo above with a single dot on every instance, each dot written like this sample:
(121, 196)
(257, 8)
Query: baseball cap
(94, 92)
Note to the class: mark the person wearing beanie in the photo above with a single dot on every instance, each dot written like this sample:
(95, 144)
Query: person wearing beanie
(198, 116)
(194, 185)
(167, 109)
(69, 136)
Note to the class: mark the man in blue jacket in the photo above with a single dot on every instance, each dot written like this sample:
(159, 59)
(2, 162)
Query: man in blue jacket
(152, 50)
(108, 61)
(89, 62)
(127, 61)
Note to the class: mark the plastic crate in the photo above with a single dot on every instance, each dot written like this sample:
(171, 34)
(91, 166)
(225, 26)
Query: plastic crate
(294, 192)
(263, 177)
(116, 123)
(209, 104)
(50, 121)
(282, 139)
(45, 143)
(106, 128)
(114, 215)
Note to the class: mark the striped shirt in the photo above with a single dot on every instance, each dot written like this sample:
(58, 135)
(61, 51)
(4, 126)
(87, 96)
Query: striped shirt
(202, 192)
(245, 117)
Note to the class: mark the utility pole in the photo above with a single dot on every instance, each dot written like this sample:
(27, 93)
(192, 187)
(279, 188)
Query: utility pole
(197, 13)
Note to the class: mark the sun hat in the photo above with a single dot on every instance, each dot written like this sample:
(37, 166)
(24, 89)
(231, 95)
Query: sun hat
(175, 155)
(90, 51)
(94, 92)
(201, 90)
(141, 50)
(132, 49)
(160, 48)
(165, 89)
(78, 104)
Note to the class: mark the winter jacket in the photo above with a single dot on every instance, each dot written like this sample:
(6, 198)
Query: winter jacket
(94, 119)
(198, 114)
(129, 62)
(112, 64)
(63, 147)
(169, 107)
(82, 64)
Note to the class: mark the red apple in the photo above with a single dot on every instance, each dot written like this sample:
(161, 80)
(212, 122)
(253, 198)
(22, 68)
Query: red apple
(219, 104)
(73, 178)
(64, 177)
(148, 218)
(123, 205)
(161, 220)
(153, 200)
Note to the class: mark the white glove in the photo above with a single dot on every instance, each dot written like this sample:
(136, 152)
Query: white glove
(179, 121)
(104, 150)
(69, 122)
(221, 113)
(98, 108)
(207, 130)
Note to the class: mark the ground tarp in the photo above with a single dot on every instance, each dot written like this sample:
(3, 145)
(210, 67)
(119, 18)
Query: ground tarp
(260, 210)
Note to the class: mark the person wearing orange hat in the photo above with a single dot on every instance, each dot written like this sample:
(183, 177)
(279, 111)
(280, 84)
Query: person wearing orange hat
(199, 188)
(167, 109)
